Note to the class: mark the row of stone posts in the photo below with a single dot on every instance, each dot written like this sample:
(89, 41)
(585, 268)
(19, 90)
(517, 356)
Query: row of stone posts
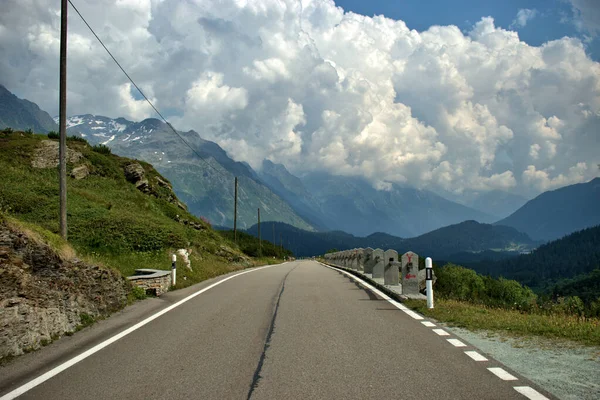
(382, 266)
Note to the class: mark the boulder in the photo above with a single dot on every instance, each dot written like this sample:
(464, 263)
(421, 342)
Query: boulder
(80, 172)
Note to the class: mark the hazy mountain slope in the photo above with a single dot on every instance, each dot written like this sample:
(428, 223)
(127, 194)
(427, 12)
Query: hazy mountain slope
(497, 203)
(353, 205)
(206, 185)
(22, 114)
(291, 189)
(559, 212)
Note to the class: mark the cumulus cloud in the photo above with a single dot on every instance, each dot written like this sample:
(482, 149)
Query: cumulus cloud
(316, 88)
(523, 17)
(586, 16)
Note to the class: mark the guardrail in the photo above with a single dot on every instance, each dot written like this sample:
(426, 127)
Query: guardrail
(400, 273)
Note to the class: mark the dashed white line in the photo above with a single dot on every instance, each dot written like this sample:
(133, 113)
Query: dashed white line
(502, 374)
(456, 343)
(476, 356)
(530, 393)
(441, 332)
(428, 324)
(57, 370)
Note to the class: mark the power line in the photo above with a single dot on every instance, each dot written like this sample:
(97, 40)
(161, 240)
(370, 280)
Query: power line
(142, 93)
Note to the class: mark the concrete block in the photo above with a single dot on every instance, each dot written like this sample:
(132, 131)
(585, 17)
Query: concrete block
(391, 273)
(368, 260)
(378, 256)
(410, 273)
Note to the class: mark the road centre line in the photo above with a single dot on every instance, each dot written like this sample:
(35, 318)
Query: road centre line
(530, 393)
(67, 364)
(476, 356)
(378, 292)
(502, 374)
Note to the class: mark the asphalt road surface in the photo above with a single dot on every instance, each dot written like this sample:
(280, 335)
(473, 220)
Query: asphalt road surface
(298, 330)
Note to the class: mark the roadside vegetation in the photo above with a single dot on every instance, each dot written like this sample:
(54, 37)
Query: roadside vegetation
(110, 221)
(466, 299)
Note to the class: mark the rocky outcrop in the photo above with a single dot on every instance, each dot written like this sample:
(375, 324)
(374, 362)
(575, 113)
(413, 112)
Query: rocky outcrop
(44, 295)
(136, 174)
(46, 155)
(80, 172)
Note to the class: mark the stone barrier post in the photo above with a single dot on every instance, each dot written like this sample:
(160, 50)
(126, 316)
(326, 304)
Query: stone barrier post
(368, 261)
(391, 272)
(360, 255)
(378, 255)
(410, 273)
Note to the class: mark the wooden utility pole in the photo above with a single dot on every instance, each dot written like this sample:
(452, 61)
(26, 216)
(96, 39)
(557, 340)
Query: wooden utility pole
(259, 241)
(62, 119)
(274, 242)
(235, 212)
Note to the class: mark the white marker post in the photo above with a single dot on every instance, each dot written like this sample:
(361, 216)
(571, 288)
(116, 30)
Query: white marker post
(429, 281)
(174, 270)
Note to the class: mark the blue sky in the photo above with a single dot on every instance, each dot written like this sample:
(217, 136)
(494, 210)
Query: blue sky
(554, 19)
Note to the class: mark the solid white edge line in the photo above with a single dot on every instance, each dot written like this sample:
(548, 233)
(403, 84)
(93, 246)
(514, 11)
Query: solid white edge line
(441, 332)
(67, 364)
(378, 292)
(530, 393)
(456, 343)
(502, 374)
(476, 356)
(428, 324)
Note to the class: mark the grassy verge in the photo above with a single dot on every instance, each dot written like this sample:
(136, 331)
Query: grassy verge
(512, 322)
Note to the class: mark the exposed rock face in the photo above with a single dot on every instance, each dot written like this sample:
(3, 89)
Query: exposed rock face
(43, 296)
(46, 155)
(136, 174)
(80, 172)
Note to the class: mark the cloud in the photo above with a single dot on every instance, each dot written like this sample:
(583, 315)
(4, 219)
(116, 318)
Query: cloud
(315, 88)
(586, 16)
(523, 17)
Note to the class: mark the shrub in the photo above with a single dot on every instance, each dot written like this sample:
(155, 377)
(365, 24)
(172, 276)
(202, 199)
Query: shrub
(459, 283)
(29, 131)
(77, 139)
(53, 135)
(7, 130)
(102, 149)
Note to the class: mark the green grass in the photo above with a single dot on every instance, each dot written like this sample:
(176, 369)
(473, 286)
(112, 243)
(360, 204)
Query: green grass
(110, 222)
(511, 322)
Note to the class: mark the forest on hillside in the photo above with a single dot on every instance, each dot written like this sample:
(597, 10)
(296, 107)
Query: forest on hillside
(567, 266)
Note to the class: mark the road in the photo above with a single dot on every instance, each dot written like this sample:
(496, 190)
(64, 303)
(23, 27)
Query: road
(298, 330)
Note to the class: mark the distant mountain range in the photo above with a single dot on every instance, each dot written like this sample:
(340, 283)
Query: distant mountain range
(448, 243)
(206, 185)
(557, 213)
(352, 205)
(319, 201)
(23, 114)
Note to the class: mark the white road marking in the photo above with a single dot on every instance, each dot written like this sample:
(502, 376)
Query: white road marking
(55, 371)
(530, 393)
(476, 356)
(441, 332)
(456, 343)
(428, 324)
(378, 292)
(502, 374)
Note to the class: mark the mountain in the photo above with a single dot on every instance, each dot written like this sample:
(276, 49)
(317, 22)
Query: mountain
(291, 189)
(352, 205)
(21, 114)
(557, 213)
(497, 202)
(466, 239)
(574, 256)
(206, 185)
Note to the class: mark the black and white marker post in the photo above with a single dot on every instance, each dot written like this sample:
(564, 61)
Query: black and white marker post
(174, 270)
(429, 281)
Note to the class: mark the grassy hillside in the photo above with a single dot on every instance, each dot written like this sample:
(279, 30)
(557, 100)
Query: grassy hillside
(109, 220)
